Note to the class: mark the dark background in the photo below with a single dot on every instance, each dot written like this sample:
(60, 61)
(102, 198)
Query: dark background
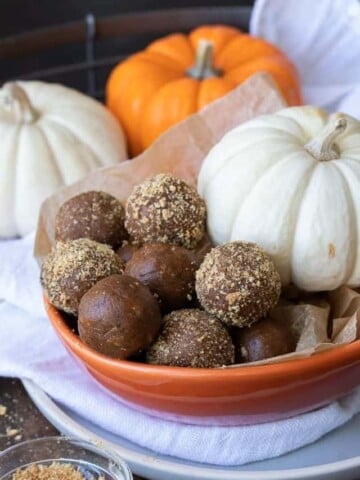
(22, 15)
(55, 59)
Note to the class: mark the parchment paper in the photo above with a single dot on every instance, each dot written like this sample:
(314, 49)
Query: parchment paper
(320, 322)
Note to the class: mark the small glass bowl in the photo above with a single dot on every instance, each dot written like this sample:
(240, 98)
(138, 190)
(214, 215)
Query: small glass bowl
(92, 461)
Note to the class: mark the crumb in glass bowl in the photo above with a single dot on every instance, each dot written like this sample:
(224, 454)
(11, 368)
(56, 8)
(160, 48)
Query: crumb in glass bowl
(61, 458)
(54, 471)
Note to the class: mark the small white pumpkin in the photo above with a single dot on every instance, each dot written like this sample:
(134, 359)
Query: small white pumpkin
(290, 182)
(50, 136)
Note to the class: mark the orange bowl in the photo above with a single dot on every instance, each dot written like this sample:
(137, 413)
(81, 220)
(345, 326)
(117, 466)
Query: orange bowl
(235, 396)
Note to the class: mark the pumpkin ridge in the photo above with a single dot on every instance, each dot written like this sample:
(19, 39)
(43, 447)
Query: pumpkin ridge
(207, 90)
(291, 246)
(146, 104)
(305, 134)
(235, 195)
(318, 166)
(36, 91)
(52, 153)
(55, 120)
(102, 114)
(294, 137)
(258, 54)
(281, 70)
(145, 63)
(295, 204)
(156, 92)
(162, 45)
(149, 59)
(247, 145)
(273, 57)
(123, 110)
(258, 122)
(84, 108)
(146, 108)
(354, 221)
(276, 164)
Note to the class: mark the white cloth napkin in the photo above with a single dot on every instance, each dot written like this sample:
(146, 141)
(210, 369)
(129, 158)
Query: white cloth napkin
(30, 349)
(322, 38)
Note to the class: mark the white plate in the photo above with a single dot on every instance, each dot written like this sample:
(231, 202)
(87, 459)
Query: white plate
(335, 456)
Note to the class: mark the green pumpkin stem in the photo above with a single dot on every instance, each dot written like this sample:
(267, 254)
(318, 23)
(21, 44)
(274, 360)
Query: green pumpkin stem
(203, 67)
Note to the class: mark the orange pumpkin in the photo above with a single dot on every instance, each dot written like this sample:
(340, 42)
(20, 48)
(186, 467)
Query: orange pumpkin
(177, 75)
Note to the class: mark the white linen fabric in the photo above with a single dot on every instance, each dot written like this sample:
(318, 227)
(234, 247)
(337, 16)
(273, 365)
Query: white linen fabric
(323, 40)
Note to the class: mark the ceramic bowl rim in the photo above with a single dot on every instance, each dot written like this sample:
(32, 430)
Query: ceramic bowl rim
(332, 358)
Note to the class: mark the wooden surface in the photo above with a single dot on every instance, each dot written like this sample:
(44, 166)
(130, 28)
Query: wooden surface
(19, 418)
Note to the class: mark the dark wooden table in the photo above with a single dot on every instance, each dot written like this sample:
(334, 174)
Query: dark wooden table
(19, 418)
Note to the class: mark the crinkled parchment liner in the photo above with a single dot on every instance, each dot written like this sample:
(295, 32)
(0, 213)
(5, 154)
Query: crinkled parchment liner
(321, 322)
(180, 151)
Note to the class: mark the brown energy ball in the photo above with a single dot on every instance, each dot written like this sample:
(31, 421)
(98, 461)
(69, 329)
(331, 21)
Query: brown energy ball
(237, 282)
(73, 267)
(165, 209)
(127, 251)
(95, 215)
(202, 249)
(265, 339)
(192, 338)
(169, 272)
(118, 317)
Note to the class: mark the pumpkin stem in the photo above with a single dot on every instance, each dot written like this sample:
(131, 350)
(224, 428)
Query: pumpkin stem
(15, 102)
(323, 146)
(203, 67)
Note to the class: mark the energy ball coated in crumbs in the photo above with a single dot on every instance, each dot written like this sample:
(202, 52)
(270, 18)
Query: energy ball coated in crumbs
(73, 267)
(238, 283)
(165, 209)
(192, 338)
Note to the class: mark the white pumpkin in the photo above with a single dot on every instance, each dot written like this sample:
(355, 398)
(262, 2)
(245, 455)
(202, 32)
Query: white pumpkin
(50, 136)
(290, 182)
